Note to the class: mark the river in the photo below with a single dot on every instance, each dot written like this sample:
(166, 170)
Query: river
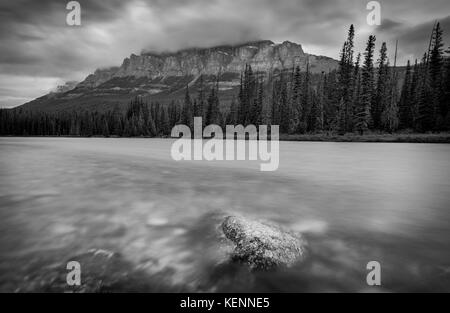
(353, 202)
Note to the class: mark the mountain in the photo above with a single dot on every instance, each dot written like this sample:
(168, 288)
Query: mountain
(164, 76)
(66, 87)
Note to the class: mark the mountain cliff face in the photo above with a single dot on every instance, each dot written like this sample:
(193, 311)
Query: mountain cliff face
(263, 56)
(163, 76)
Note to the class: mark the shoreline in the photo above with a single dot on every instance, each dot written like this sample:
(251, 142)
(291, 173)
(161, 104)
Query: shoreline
(439, 138)
(380, 138)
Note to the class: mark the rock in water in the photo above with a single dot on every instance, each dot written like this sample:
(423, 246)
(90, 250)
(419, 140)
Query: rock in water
(263, 246)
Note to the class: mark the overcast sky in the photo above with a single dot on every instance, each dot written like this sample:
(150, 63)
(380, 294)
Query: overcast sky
(38, 51)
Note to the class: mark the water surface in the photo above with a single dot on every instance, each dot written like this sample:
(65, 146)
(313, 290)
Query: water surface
(354, 203)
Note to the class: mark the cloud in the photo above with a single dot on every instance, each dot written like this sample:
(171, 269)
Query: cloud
(389, 25)
(35, 42)
(413, 40)
(17, 89)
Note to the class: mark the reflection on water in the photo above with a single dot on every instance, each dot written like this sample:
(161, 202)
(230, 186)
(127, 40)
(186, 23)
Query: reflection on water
(354, 203)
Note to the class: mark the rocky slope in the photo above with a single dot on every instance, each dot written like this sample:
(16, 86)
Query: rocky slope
(162, 76)
(262, 56)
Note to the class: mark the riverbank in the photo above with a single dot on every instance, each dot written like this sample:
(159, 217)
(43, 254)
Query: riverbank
(325, 137)
(352, 137)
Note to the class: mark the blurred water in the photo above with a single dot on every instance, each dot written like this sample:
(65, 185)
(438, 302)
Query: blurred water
(354, 202)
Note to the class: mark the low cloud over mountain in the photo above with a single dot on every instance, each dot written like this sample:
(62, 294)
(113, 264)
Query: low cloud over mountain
(38, 51)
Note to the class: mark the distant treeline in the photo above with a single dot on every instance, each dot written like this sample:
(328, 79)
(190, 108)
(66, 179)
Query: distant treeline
(362, 94)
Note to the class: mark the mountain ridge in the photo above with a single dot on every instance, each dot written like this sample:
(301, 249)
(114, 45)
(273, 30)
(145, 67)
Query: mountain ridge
(262, 55)
(160, 76)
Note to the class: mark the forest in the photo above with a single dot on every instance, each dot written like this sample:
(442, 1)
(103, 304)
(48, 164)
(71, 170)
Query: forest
(364, 95)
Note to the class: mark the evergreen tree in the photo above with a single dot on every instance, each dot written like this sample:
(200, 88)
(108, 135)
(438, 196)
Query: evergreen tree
(341, 119)
(296, 103)
(201, 99)
(390, 113)
(283, 105)
(105, 128)
(259, 103)
(275, 114)
(319, 116)
(436, 76)
(165, 127)
(232, 118)
(330, 108)
(414, 98)
(345, 82)
(356, 91)
(213, 113)
(305, 100)
(405, 105)
(362, 111)
(380, 100)
(425, 118)
(173, 114)
(446, 93)
(186, 117)
(241, 97)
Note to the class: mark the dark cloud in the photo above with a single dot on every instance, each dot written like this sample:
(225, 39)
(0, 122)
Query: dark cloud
(27, 11)
(413, 40)
(388, 25)
(418, 36)
(37, 46)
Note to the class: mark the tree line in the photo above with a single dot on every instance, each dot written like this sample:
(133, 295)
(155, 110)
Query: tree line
(362, 95)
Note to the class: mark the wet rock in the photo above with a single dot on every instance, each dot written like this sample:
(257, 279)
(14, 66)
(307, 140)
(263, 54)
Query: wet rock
(261, 245)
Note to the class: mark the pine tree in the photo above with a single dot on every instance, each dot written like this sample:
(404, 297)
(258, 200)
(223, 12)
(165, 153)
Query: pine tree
(425, 119)
(173, 113)
(232, 118)
(149, 123)
(213, 113)
(414, 98)
(330, 108)
(380, 100)
(319, 117)
(283, 105)
(405, 104)
(390, 118)
(241, 97)
(362, 111)
(345, 82)
(296, 103)
(105, 128)
(356, 91)
(341, 119)
(446, 93)
(165, 128)
(305, 100)
(186, 117)
(259, 103)
(201, 99)
(436, 75)
(275, 114)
